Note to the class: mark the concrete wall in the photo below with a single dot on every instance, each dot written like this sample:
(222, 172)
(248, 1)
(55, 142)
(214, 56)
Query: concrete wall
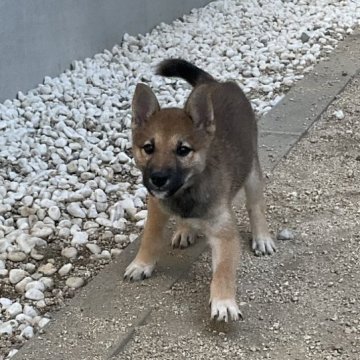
(42, 37)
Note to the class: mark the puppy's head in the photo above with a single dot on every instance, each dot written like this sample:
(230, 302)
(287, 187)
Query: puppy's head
(170, 145)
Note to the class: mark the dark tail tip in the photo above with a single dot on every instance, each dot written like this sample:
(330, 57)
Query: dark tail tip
(183, 69)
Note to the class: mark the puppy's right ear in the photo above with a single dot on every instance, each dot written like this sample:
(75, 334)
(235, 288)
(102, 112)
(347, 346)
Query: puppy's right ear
(144, 104)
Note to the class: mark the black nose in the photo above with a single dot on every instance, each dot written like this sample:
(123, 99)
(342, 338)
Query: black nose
(159, 178)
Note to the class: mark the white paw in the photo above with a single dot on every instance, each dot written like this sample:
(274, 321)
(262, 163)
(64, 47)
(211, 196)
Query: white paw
(223, 310)
(138, 271)
(263, 245)
(183, 238)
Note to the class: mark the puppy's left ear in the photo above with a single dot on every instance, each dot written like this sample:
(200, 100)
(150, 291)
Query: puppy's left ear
(200, 108)
(144, 105)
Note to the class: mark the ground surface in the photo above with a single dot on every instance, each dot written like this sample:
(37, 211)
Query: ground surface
(88, 198)
(302, 303)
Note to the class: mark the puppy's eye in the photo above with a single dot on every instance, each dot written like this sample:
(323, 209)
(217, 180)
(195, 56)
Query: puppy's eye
(183, 150)
(149, 148)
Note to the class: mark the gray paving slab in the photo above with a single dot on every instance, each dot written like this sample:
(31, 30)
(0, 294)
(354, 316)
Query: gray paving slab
(99, 321)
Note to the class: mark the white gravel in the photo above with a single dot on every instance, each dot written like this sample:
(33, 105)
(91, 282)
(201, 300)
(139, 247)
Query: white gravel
(69, 190)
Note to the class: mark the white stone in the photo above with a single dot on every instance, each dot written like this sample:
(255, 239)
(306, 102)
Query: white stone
(47, 203)
(30, 311)
(65, 269)
(285, 234)
(133, 237)
(41, 304)
(36, 255)
(14, 309)
(47, 269)
(94, 248)
(119, 224)
(60, 142)
(64, 233)
(30, 268)
(41, 230)
(69, 252)
(128, 206)
(43, 322)
(21, 285)
(5, 302)
(27, 200)
(39, 285)
(101, 206)
(140, 223)
(141, 193)
(74, 282)
(92, 212)
(104, 222)
(115, 252)
(105, 254)
(23, 319)
(4, 208)
(25, 243)
(27, 332)
(116, 212)
(54, 213)
(75, 210)
(17, 256)
(4, 244)
(34, 294)
(100, 196)
(339, 114)
(79, 238)
(123, 158)
(48, 282)
(6, 328)
(16, 275)
(141, 215)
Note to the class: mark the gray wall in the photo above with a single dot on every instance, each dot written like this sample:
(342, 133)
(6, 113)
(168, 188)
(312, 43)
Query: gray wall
(42, 37)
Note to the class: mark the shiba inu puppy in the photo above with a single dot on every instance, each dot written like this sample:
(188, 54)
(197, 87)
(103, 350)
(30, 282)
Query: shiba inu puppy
(194, 161)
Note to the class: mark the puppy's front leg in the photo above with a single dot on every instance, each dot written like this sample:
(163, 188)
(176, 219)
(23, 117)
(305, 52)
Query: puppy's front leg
(151, 243)
(225, 251)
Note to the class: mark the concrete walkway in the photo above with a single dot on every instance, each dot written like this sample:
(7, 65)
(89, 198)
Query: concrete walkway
(294, 303)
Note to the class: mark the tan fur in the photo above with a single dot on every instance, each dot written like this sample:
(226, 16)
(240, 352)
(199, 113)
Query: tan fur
(198, 187)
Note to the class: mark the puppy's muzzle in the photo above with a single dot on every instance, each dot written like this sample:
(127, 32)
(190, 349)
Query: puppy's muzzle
(163, 183)
(159, 179)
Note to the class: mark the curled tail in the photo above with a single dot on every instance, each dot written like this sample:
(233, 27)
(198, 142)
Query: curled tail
(185, 70)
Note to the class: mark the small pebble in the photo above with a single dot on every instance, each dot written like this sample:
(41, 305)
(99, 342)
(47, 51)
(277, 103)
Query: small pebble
(285, 234)
(74, 282)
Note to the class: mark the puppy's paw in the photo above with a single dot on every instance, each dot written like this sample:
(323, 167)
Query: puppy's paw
(138, 271)
(183, 238)
(263, 245)
(225, 310)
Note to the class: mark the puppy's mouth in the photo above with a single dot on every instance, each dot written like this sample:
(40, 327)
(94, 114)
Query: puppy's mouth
(163, 188)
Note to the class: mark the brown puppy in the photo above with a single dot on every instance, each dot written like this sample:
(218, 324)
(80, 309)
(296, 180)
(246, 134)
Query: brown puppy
(194, 161)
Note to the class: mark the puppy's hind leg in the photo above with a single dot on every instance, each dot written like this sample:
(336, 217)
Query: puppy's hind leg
(262, 242)
(151, 243)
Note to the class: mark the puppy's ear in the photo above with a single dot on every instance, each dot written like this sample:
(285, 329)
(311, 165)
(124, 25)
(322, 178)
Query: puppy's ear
(144, 104)
(200, 108)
